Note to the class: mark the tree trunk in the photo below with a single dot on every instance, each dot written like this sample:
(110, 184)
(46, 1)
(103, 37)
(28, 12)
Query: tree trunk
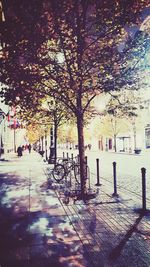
(42, 143)
(81, 154)
(115, 144)
(46, 157)
(134, 136)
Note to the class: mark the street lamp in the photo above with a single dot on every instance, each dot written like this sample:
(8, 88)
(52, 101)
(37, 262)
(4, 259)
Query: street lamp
(46, 145)
(52, 154)
(2, 116)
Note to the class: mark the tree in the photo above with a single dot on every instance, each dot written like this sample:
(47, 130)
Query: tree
(75, 56)
(68, 134)
(47, 114)
(112, 126)
(122, 107)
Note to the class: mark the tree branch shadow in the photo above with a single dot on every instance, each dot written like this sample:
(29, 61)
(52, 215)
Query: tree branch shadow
(115, 253)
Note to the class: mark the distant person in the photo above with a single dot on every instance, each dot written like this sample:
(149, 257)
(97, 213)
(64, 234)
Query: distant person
(29, 147)
(26, 147)
(89, 146)
(19, 151)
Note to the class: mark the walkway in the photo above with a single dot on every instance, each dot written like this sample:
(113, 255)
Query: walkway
(40, 226)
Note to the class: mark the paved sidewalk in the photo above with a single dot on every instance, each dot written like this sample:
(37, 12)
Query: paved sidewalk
(40, 226)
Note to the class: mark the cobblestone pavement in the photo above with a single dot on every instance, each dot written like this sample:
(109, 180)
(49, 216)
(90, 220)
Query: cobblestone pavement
(128, 188)
(128, 169)
(41, 225)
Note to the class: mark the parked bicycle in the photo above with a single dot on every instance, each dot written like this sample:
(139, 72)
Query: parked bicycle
(64, 167)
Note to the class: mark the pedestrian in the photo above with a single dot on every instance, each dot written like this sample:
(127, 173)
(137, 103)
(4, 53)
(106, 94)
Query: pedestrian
(29, 147)
(25, 147)
(19, 151)
(89, 146)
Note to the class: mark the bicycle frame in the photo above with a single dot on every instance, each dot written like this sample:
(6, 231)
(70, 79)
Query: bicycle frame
(64, 167)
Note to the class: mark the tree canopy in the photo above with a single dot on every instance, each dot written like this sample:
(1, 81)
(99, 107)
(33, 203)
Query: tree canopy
(66, 48)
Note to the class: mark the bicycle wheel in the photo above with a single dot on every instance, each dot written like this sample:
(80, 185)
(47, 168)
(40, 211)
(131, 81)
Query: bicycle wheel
(58, 172)
(77, 173)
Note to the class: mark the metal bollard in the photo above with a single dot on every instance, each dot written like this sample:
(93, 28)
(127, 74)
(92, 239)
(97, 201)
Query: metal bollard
(115, 180)
(63, 155)
(98, 176)
(67, 155)
(72, 156)
(143, 171)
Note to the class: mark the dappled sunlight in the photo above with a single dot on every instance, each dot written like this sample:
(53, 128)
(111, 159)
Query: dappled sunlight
(40, 225)
(52, 201)
(11, 196)
(53, 226)
(76, 260)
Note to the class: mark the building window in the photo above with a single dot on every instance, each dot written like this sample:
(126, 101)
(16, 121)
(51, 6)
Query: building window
(147, 137)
